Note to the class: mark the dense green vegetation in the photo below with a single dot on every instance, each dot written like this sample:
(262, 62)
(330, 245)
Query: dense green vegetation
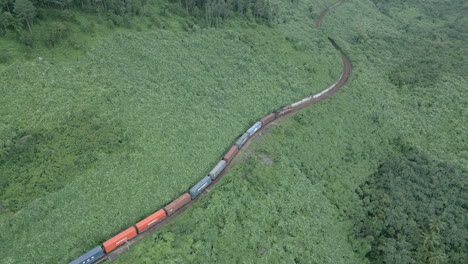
(416, 211)
(309, 205)
(134, 121)
(32, 27)
(37, 161)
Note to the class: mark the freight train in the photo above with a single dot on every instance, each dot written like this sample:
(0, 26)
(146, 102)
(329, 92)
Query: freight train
(99, 252)
(120, 239)
(130, 233)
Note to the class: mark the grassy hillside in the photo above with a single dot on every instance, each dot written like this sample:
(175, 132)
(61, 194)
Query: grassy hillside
(406, 94)
(134, 122)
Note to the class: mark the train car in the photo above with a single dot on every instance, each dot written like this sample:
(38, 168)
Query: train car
(89, 257)
(285, 110)
(177, 203)
(240, 142)
(231, 154)
(151, 220)
(268, 118)
(303, 101)
(200, 186)
(119, 239)
(254, 128)
(217, 169)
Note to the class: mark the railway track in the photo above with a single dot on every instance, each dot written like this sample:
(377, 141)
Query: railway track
(324, 12)
(347, 69)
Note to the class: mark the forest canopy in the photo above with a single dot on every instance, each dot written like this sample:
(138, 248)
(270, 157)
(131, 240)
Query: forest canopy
(416, 211)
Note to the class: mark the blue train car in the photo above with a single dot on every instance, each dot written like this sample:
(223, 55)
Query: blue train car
(90, 256)
(217, 169)
(200, 186)
(240, 142)
(254, 128)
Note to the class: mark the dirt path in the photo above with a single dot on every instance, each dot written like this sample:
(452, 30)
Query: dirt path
(347, 69)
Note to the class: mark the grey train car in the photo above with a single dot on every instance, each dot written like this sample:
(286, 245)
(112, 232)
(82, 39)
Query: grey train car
(90, 256)
(200, 186)
(240, 142)
(217, 169)
(254, 128)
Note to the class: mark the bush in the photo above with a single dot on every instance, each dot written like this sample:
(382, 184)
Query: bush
(56, 33)
(115, 19)
(88, 27)
(27, 39)
(74, 42)
(5, 56)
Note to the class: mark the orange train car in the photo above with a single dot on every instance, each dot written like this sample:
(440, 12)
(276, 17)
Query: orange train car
(177, 203)
(150, 220)
(231, 154)
(119, 239)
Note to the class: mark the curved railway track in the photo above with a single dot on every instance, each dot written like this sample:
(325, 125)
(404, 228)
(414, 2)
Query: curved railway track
(324, 12)
(311, 100)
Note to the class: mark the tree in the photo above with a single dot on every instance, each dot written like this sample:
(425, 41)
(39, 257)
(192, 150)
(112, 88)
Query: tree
(57, 32)
(7, 21)
(62, 3)
(436, 225)
(416, 204)
(5, 3)
(25, 11)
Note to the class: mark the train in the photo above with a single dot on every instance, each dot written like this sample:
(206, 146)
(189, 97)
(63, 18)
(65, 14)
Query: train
(128, 234)
(99, 252)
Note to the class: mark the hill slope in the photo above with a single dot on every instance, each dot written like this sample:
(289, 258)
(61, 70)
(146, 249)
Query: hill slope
(135, 122)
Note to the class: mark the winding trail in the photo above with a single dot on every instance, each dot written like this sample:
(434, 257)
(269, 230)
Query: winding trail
(304, 103)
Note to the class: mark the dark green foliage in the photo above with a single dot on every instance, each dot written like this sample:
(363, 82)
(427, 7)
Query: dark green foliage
(431, 52)
(118, 12)
(4, 55)
(27, 39)
(416, 211)
(88, 27)
(122, 13)
(56, 32)
(40, 161)
(25, 12)
(6, 5)
(8, 22)
(213, 12)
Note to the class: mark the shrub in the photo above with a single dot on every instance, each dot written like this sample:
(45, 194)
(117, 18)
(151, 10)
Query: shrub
(27, 39)
(88, 27)
(5, 56)
(56, 33)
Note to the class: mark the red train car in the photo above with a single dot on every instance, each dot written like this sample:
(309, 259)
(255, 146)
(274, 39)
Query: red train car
(177, 203)
(267, 119)
(285, 110)
(231, 154)
(150, 220)
(119, 239)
